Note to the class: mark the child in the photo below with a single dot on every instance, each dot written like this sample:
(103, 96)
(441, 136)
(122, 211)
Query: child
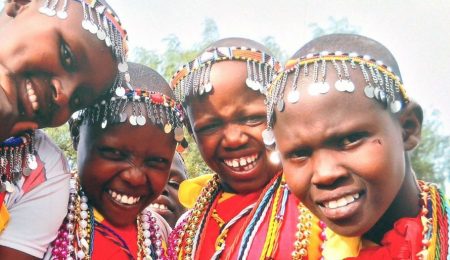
(167, 204)
(125, 148)
(243, 209)
(49, 68)
(344, 127)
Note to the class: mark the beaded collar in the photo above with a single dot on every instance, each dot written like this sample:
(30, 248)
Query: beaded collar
(381, 83)
(146, 105)
(194, 79)
(100, 20)
(75, 236)
(17, 158)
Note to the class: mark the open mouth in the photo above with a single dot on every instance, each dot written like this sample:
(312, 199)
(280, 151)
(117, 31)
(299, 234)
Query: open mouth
(32, 97)
(123, 198)
(245, 163)
(341, 202)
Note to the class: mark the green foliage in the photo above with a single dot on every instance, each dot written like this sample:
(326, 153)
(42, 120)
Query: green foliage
(430, 159)
(274, 47)
(61, 136)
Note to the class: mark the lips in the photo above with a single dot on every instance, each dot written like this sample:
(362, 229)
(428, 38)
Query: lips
(244, 163)
(123, 198)
(342, 207)
(341, 202)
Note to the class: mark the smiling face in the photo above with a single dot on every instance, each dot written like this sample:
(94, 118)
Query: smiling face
(227, 126)
(49, 67)
(342, 154)
(167, 204)
(119, 174)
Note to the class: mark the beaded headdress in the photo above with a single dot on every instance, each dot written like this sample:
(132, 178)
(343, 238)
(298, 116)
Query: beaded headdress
(100, 20)
(381, 83)
(194, 77)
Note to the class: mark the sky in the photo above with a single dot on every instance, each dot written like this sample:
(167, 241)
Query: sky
(415, 31)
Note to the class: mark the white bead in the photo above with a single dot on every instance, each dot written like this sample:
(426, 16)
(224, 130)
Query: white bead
(146, 234)
(83, 206)
(83, 223)
(83, 214)
(84, 199)
(80, 254)
(147, 242)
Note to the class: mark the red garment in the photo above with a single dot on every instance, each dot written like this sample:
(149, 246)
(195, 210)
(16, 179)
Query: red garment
(105, 248)
(231, 207)
(404, 241)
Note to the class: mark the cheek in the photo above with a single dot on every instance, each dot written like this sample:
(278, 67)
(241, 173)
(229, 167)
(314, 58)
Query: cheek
(297, 179)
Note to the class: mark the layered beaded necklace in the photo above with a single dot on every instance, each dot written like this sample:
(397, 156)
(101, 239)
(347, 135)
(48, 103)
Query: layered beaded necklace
(76, 235)
(188, 235)
(17, 158)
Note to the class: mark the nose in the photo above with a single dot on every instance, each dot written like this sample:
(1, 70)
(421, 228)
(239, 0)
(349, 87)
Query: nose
(134, 176)
(327, 168)
(61, 94)
(234, 136)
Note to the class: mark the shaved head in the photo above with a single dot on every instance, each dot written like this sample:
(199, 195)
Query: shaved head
(238, 42)
(348, 43)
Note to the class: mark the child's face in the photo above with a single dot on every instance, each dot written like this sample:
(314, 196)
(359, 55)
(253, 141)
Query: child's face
(167, 204)
(342, 155)
(227, 125)
(65, 66)
(124, 168)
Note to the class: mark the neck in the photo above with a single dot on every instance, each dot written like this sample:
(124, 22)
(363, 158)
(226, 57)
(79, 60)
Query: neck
(406, 204)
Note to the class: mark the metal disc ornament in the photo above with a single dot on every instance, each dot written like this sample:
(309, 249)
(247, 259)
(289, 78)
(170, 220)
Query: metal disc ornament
(369, 91)
(120, 91)
(141, 120)
(85, 24)
(62, 14)
(104, 123)
(31, 162)
(101, 35)
(132, 120)
(93, 28)
(340, 85)
(26, 171)
(253, 84)
(395, 106)
(313, 89)
(123, 67)
(123, 117)
(293, 96)
(167, 128)
(268, 137)
(324, 87)
(208, 87)
(8, 186)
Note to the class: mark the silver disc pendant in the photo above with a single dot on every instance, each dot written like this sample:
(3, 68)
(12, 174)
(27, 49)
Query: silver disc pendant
(123, 117)
(167, 128)
(108, 41)
(376, 93)
(123, 67)
(268, 137)
(132, 120)
(120, 91)
(280, 105)
(62, 15)
(253, 84)
(93, 28)
(395, 106)
(141, 120)
(9, 187)
(201, 90)
(101, 35)
(324, 87)
(208, 87)
(293, 96)
(369, 91)
(104, 124)
(26, 171)
(85, 24)
(31, 162)
(313, 89)
(382, 96)
(340, 85)
(349, 86)
(179, 134)
(43, 10)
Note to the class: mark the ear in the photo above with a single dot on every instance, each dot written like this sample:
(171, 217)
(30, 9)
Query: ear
(411, 122)
(14, 7)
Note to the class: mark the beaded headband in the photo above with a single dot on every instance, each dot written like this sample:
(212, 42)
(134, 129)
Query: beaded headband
(101, 21)
(159, 108)
(381, 83)
(12, 165)
(193, 78)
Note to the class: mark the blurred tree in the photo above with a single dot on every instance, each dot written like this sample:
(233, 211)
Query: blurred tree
(61, 136)
(333, 25)
(430, 159)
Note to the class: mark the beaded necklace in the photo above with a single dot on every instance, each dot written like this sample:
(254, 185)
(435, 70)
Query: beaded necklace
(17, 158)
(75, 237)
(187, 236)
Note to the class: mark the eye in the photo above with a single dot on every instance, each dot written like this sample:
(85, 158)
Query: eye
(157, 162)
(299, 155)
(253, 120)
(351, 140)
(174, 184)
(209, 128)
(66, 57)
(111, 153)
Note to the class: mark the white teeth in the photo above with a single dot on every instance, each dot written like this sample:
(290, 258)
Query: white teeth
(241, 162)
(32, 96)
(158, 206)
(122, 198)
(341, 202)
